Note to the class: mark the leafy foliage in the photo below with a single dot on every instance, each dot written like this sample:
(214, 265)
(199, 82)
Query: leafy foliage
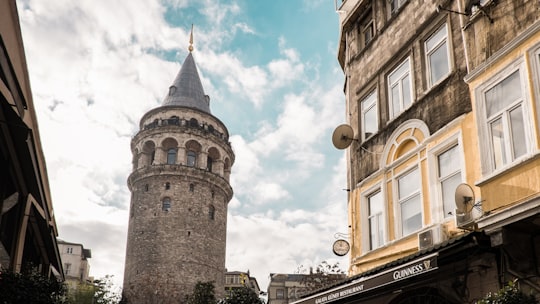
(103, 291)
(203, 293)
(509, 294)
(243, 295)
(325, 274)
(30, 286)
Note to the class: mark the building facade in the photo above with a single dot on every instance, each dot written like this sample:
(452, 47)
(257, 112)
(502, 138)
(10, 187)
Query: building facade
(287, 288)
(27, 225)
(443, 98)
(180, 190)
(75, 262)
(240, 279)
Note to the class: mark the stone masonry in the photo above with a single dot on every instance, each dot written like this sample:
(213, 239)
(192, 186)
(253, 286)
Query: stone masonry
(179, 195)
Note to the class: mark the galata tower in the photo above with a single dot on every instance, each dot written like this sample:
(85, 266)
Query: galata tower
(180, 190)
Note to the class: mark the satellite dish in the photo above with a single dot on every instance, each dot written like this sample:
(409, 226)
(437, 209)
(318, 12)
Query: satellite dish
(464, 198)
(343, 136)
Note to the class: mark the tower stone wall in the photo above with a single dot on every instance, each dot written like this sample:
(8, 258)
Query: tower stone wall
(179, 195)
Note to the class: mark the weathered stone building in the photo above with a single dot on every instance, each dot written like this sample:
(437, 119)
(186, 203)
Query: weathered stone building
(180, 189)
(443, 99)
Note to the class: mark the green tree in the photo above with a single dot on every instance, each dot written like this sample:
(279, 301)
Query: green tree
(324, 274)
(99, 291)
(203, 293)
(104, 293)
(30, 286)
(243, 295)
(509, 294)
(82, 293)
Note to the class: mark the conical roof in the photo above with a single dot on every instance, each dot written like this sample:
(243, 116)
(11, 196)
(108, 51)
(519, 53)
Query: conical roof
(187, 89)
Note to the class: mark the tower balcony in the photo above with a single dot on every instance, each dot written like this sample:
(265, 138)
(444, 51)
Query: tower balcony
(184, 171)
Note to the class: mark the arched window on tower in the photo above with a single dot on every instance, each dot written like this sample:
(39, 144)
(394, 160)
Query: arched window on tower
(211, 212)
(193, 123)
(166, 204)
(191, 187)
(191, 158)
(209, 162)
(149, 152)
(171, 156)
(213, 157)
(193, 148)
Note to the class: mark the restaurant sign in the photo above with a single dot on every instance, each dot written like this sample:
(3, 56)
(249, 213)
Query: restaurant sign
(363, 284)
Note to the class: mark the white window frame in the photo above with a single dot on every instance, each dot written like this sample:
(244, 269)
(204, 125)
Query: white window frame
(364, 218)
(486, 149)
(399, 82)
(535, 55)
(371, 101)
(436, 196)
(398, 201)
(428, 52)
(399, 4)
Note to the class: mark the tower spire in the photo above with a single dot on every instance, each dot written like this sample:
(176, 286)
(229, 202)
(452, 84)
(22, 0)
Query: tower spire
(190, 48)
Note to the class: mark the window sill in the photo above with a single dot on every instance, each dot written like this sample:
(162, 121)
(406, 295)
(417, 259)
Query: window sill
(504, 170)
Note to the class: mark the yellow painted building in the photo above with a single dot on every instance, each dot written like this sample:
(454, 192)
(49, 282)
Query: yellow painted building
(443, 148)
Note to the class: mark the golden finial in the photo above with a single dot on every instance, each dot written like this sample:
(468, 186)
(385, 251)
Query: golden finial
(190, 48)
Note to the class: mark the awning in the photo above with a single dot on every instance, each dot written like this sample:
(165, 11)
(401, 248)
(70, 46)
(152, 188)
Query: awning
(364, 284)
(389, 276)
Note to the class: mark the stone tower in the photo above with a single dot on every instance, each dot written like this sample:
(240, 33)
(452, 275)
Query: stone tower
(180, 189)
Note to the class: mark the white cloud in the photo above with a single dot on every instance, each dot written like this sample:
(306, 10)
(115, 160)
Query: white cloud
(96, 67)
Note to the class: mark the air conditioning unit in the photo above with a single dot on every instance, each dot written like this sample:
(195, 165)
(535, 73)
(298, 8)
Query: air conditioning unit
(466, 220)
(430, 237)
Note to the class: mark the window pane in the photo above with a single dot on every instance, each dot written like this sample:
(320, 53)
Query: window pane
(191, 158)
(448, 187)
(375, 203)
(497, 142)
(370, 121)
(449, 162)
(409, 184)
(375, 210)
(519, 145)
(369, 110)
(399, 72)
(406, 92)
(504, 93)
(438, 63)
(436, 38)
(171, 156)
(411, 215)
(396, 106)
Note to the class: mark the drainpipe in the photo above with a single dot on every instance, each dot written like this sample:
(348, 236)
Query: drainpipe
(462, 25)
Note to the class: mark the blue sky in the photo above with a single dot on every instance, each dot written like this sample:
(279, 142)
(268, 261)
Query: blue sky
(270, 68)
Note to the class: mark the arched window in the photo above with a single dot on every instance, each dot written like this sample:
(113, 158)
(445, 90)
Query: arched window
(191, 158)
(193, 123)
(166, 204)
(211, 212)
(191, 187)
(167, 186)
(171, 156)
(213, 156)
(149, 152)
(209, 162)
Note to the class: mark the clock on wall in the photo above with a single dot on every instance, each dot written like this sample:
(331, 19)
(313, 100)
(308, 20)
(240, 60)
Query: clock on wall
(341, 247)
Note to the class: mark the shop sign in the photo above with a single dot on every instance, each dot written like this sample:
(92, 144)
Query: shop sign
(411, 269)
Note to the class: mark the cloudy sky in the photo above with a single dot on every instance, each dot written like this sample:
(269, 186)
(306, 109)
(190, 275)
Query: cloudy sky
(270, 68)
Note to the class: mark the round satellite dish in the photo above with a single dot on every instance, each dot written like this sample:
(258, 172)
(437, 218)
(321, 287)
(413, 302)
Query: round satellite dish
(343, 136)
(464, 198)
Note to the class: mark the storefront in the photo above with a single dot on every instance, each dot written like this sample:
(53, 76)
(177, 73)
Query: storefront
(443, 274)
